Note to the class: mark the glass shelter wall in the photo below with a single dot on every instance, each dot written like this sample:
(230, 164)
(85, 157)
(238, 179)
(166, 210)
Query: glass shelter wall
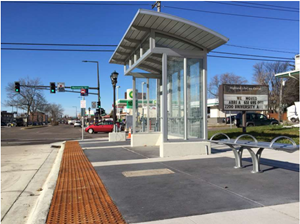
(195, 117)
(175, 104)
(147, 113)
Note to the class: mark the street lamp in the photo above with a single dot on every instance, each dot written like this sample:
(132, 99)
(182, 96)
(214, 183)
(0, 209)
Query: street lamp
(99, 102)
(117, 100)
(114, 80)
(143, 83)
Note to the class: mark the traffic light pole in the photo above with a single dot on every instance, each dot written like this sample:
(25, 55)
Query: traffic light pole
(98, 91)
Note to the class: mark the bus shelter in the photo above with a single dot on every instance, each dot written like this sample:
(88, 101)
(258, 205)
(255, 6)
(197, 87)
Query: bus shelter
(166, 56)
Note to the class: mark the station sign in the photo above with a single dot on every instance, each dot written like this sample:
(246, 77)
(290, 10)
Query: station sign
(243, 97)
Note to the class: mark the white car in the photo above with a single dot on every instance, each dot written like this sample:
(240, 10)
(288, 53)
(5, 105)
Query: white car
(77, 124)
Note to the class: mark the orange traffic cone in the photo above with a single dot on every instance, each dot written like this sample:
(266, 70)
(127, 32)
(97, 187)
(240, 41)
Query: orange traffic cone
(129, 134)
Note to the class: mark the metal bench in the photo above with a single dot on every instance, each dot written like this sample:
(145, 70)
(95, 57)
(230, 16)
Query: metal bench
(249, 145)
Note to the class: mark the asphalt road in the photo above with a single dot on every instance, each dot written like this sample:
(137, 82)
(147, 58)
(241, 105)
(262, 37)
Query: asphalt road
(19, 136)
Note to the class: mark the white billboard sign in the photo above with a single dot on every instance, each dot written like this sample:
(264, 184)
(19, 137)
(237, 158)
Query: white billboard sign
(244, 97)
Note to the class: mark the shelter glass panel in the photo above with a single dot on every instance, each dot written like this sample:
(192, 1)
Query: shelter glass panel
(195, 117)
(175, 87)
(141, 101)
(154, 107)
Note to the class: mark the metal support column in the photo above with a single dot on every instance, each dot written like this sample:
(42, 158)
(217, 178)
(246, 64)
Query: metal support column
(148, 111)
(204, 97)
(133, 106)
(164, 99)
(185, 98)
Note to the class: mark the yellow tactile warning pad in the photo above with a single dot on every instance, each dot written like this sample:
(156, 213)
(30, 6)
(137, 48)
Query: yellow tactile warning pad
(80, 196)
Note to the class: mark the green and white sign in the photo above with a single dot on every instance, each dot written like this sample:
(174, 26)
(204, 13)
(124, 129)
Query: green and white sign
(129, 94)
(79, 87)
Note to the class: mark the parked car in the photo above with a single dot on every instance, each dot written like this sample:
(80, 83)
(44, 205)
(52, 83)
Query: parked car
(254, 119)
(105, 126)
(227, 119)
(77, 124)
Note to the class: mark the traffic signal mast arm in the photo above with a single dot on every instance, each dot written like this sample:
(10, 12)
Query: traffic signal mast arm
(48, 87)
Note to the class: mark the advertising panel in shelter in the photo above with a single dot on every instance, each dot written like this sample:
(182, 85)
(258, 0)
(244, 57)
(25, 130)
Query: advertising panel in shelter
(243, 97)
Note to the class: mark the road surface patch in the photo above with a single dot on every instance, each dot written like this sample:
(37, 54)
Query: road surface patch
(80, 196)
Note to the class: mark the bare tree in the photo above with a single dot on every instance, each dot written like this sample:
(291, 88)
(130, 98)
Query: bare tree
(29, 99)
(264, 74)
(226, 78)
(55, 111)
(290, 92)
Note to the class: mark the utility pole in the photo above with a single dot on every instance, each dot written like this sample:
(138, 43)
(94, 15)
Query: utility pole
(157, 5)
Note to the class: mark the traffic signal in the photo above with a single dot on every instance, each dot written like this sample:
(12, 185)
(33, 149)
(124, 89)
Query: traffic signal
(52, 87)
(98, 105)
(17, 87)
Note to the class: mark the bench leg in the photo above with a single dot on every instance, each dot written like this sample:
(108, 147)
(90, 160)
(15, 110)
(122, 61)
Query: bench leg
(255, 159)
(237, 156)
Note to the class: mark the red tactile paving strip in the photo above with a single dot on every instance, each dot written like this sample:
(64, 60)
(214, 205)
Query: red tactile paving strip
(80, 196)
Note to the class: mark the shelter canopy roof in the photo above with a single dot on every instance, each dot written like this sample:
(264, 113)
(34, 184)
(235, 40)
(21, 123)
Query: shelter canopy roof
(186, 35)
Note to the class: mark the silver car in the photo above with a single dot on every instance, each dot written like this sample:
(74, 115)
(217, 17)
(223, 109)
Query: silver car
(77, 124)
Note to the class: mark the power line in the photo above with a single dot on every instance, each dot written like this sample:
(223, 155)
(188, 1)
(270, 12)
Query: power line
(276, 6)
(257, 7)
(231, 14)
(48, 44)
(92, 50)
(255, 59)
(114, 45)
(261, 49)
(252, 55)
(32, 49)
(76, 3)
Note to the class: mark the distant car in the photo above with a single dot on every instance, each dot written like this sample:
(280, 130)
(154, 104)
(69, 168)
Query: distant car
(227, 119)
(77, 124)
(254, 119)
(105, 126)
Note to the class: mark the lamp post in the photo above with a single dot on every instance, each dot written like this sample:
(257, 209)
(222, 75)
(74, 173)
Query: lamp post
(282, 83)
(117, 100)
(76, 112)
(114, 80)
(98, 82)
(143, 83)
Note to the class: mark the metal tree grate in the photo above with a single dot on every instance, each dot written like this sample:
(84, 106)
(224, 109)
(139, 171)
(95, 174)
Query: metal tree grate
(80, 196)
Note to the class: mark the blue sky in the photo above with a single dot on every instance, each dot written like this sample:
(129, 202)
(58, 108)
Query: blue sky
(99, 24)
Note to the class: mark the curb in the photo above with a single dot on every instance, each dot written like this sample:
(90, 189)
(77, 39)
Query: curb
(39, 212)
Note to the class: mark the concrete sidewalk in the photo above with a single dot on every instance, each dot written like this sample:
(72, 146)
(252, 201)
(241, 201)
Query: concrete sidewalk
(24, 170)
(197, 189)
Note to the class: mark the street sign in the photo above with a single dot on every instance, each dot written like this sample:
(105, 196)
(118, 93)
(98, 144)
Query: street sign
(60, 87)
(79, 87)
(94, 103)
(82, 103)
(84, 92)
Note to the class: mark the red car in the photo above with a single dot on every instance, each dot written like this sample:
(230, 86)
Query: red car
(105, 126)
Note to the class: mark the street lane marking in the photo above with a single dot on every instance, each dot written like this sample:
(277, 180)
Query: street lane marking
(142, 173)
